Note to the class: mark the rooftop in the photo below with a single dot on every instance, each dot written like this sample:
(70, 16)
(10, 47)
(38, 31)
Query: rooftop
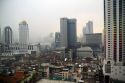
(23, 22)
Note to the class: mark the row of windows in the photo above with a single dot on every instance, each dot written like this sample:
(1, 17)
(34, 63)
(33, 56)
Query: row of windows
(17, 48)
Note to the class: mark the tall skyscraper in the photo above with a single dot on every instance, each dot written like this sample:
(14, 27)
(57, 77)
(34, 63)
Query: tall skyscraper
(23, 37)
(114, 30)
(23, 33)
(114, 24)
(7, 35)
(68, 32)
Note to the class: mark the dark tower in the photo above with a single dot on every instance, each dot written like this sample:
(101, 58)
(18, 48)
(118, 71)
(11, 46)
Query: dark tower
(8, 35)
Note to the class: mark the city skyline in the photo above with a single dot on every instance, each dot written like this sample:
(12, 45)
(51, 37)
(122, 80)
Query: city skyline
(63, 41)
(42, 15)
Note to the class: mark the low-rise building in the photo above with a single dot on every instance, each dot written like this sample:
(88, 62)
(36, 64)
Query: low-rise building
(118, 73)
(64, 74)
(84, 52)
(17, 48)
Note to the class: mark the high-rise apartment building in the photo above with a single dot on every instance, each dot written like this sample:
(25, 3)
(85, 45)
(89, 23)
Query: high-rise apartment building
(68, 32)
(114, 27)
(23, 33)
(114, 24)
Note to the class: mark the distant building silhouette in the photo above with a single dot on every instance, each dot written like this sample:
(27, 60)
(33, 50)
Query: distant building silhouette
(0, 36)
(57, 39)
(87, 29)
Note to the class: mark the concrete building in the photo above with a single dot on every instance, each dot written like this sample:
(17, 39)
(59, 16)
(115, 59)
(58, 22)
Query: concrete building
(57, 40)
(7, 40)
(64, 74)
(84, 32)
(94, 39)
(87, 29)
(68, 32)
(17, 48)
(84, 52)
(114, 23)
(7, 35)
(23, 33)
(23, 37)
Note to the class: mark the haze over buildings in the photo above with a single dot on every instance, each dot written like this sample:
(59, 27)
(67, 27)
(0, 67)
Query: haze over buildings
(64, 56)
(43, 18)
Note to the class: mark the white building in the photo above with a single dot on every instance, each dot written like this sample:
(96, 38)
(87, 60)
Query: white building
(17, 48)
(114, 26)
(23, 33)
(23, 37)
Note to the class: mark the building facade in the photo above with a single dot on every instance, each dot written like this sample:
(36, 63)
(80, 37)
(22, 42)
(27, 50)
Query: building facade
(23, 37)
(16, 48)
(57, 40)
(88, 28)
(114, 27)
(68, 32)
(94, 39)
(23, 33)
(7, 39)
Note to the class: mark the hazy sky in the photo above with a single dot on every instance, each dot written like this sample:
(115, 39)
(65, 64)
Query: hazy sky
(43, 16)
